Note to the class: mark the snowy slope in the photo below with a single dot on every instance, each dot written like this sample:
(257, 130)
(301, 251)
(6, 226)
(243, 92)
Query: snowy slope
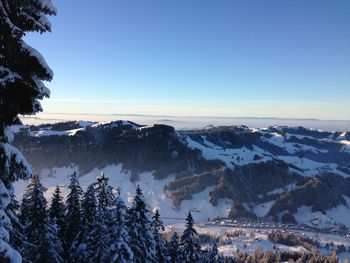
(200, 206)
(231, 157)
(335, 215)
(276, 143)
(73, 127)
(262, 165)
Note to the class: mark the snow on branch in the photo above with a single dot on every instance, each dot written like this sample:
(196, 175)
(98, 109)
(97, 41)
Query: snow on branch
(34, 53)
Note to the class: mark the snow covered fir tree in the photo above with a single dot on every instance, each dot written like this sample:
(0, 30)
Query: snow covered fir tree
(142, 241)
(22, 72)
(40, 231)
(92, 223)
(73, 217)
(158, 229)
(191, 250)
(57, 212)
(111, 231)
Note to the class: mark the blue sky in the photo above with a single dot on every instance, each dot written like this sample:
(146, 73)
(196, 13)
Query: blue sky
(273, 58)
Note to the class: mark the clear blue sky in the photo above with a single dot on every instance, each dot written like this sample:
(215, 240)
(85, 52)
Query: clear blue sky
(273, 58)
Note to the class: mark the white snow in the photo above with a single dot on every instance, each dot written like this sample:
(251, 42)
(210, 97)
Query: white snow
(339, 214)
(49, 178)
(8, 76)
(263, 209)
(10, 152)
(9, 252)
(154, 193)
(292, 148)
(345, 149)
(34, 53)
(54, 133)
(345, 142)
(9, 134)
(49, 132)
(289, 135)
(346, 146)
(281, 189)
(200, 207)
(341, 136)
(48, 5)
(153, 190)
(5, 199)
(42, 87)
(248, 241)
(85, 124)
(111, 124)
(230, 156)
(311, 167)
(243, 156)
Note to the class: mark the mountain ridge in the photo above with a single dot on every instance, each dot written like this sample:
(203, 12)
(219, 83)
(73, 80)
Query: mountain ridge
(254, 170)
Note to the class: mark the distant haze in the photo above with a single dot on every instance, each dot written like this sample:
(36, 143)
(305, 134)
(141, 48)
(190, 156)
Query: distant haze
(192, 122)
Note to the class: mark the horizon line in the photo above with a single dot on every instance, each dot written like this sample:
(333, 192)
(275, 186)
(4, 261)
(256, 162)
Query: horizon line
(188, 116)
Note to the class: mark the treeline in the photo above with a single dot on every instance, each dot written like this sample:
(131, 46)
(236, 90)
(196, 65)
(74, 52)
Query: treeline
(290, 239)
(97, 226)
(279, 256)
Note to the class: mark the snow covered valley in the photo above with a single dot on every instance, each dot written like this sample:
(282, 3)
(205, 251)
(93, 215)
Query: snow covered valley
(282, 173)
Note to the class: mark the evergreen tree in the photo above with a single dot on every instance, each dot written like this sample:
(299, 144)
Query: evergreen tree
(73, 217)
(120, 249)
(213, 254)
(142, 241)
(105, 227)
(99, 236)
(105, 194)
(174, 249)
(89, 206)
(22, 70)
(57, 212)
(38, 228)
(89, 236)
(191, 250)
(19, 240)
(158, 229)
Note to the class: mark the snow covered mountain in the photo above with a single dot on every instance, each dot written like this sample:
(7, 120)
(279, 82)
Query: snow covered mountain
(285, 173)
